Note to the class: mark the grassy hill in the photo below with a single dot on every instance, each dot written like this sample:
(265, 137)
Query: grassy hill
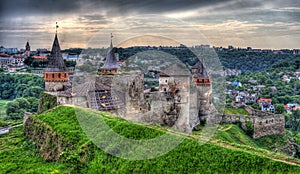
(59, 137)
(19, 155)
(2, 108)
(235, 135)
(235, 111)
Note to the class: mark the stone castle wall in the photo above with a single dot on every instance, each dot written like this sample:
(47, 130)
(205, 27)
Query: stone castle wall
(268, 125)
(55, 86)
(253, 111)
(130, 89)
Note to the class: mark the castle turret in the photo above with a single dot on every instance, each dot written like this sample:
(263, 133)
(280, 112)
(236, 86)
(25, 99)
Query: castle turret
(27, 49)
(200, 76)
(111, 63)
(203, 92)
(56, 74)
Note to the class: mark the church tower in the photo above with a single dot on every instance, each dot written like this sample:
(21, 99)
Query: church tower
(27, 49)
(56, 74)
(111, 64)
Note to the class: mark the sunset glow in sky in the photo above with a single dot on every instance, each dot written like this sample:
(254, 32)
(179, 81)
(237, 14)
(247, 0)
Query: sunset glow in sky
(271, 24)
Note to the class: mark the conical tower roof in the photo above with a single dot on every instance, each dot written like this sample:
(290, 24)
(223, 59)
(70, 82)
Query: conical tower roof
(111, 59)
(201, 71)
(27, 46)
(56, 62)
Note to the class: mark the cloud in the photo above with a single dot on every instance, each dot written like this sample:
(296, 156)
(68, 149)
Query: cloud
(111, 7)
(221, 20)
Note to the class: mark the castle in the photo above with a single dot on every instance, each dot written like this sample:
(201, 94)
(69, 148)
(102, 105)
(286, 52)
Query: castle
(183, 99)
(179, 102)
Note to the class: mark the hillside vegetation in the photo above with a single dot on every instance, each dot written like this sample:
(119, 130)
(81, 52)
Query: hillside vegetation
(19, 155)
(20, 85)
(235, 135)
(59, 131)
(2, 108)
(235, 111)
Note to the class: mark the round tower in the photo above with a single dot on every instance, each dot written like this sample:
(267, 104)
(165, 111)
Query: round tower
(56, 74)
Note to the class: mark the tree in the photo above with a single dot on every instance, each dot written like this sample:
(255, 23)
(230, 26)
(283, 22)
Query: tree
(28, 61)
(295, 120)
(22, 103)
(33, 104)
(249, 128)
(16, 108)
(13, 110)
(5, 94)
(13, 85)
(279, 109)
(35, 63)
(33, 91)
(255, 106)
(297, 62)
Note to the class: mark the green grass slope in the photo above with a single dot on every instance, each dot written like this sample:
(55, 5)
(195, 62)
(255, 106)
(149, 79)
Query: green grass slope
(234, 134)
(2, 108)
(189, 157)
(19, 155)
(235, 111)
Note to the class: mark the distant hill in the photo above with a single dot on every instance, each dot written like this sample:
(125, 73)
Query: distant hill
(59, 137)
(230, 59)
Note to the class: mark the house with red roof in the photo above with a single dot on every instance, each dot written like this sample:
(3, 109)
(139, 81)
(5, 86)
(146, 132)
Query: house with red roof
(266, 104)
(40, 57)
(292, 107)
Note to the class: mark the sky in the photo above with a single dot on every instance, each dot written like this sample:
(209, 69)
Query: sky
(267, 24)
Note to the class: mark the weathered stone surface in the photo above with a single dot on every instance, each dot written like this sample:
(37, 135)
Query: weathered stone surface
(49, 143)
(290, 148)
(269, 125)
(55, 86)
(256, 112)
(47, 101)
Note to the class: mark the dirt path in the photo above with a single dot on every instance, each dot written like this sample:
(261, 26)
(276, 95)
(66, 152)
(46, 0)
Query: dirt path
(226, 129)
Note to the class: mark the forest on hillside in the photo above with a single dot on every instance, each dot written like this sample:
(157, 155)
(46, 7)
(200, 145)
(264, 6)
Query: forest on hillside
(230, 59)
(20, 85)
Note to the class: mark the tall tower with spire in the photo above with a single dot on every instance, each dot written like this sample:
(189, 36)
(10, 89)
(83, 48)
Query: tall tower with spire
(56, 74)
(27, 49)
(111, 63)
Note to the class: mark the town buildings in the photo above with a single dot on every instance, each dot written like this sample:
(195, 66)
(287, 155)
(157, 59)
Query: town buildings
(266, 104)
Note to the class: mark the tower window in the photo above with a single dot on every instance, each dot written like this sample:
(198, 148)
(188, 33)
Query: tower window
(53, 76)
(59, 75)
